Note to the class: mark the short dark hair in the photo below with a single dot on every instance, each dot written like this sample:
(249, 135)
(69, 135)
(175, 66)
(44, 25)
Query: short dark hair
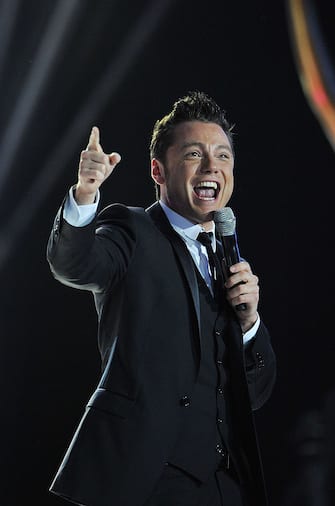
(195, 106)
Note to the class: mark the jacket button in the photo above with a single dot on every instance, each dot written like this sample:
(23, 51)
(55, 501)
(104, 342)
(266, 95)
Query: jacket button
(260, 360)
(185, 401)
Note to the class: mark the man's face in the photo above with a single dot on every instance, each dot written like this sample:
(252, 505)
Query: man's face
(197, 176)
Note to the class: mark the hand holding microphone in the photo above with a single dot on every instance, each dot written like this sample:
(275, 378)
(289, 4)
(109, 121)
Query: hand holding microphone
(241, 283)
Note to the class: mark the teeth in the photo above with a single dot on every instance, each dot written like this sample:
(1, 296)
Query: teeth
(208, 184)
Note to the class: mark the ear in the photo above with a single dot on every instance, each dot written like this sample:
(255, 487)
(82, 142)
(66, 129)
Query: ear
(157, 171)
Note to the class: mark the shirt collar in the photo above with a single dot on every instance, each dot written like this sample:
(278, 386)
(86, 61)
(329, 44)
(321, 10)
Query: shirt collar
(185, 227)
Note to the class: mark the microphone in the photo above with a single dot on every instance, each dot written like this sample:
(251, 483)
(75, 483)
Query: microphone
(225, 224)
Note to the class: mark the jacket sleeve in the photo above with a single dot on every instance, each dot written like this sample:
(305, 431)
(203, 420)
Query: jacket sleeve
(260, 364)
(96, 256)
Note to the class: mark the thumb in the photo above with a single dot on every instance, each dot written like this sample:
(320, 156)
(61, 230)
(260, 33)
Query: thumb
(114, 158)
(94, 140)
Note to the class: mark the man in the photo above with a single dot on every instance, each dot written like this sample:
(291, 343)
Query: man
(171, 420)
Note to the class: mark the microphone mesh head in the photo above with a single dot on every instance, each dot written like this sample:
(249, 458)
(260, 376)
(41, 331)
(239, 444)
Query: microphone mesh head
(225, 221)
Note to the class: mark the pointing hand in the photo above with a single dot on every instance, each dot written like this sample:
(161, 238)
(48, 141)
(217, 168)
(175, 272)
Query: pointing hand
(95, 167)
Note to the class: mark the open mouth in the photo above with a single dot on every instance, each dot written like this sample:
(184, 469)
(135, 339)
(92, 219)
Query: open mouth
(207, 190)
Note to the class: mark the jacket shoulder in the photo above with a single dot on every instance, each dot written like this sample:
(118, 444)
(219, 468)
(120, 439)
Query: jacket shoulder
(120, 212)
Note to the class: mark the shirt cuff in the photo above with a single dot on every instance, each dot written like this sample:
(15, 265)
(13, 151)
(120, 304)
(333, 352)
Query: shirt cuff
(247, 336)
(79, 216)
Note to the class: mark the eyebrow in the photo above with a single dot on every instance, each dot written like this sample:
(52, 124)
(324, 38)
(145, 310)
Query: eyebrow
(201, 145)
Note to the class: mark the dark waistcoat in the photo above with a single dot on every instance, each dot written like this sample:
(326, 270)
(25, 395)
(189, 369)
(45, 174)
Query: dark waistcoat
(207, 429)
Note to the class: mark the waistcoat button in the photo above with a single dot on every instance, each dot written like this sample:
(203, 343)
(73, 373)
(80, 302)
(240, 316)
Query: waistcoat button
(185, 401)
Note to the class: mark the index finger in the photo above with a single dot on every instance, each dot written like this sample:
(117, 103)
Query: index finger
(94, 140)
(240, 266)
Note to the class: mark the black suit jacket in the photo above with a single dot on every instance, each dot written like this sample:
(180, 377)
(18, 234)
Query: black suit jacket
(147, 300)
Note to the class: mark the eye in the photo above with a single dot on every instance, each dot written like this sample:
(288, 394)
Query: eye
(193, 154)
(224, 155)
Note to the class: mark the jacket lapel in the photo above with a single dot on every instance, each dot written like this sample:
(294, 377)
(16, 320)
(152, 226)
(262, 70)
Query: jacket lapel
(162, 223)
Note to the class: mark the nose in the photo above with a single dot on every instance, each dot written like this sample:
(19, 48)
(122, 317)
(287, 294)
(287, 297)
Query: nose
(208, 165)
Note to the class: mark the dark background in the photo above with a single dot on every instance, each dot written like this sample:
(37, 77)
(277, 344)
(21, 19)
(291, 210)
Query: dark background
(120, 65)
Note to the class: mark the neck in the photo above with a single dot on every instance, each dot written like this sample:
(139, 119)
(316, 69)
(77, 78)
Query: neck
(207, 226)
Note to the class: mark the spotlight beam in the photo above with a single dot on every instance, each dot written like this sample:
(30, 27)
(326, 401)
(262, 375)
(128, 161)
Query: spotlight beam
(33, 87)
(8, 11)
(56, 163)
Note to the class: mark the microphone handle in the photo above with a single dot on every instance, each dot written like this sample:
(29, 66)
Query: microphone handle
(232, 256)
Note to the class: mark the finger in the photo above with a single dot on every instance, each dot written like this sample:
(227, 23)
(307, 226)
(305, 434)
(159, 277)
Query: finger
(94, 140)
(236, 279)
(114, 158)
(94, 157)
(91, 176)
(86, 166)
(240, 266)
(249, 298)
